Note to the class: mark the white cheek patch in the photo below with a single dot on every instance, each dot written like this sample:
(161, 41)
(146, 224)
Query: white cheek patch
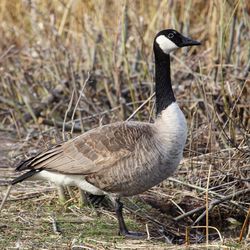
(165, 44)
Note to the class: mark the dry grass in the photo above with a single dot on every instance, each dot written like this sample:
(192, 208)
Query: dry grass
(73, 65)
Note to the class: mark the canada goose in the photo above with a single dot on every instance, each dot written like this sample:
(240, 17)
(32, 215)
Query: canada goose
(123, 158)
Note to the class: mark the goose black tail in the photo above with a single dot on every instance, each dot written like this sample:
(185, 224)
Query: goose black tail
(25, 176)
(24, 164)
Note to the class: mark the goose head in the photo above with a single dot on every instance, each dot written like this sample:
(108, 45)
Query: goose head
(169, 40)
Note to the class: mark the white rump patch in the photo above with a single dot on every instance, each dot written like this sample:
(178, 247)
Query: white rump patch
(165, 44)
(68, 180)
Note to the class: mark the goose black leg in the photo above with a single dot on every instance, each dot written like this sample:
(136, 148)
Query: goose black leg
(95, 200)
(122, 226)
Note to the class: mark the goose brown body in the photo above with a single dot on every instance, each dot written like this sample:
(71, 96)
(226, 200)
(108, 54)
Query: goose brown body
(121, 159)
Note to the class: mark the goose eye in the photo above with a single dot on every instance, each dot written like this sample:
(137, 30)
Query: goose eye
(170, 35)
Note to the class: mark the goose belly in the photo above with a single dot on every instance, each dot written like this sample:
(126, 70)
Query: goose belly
(138, 173)
(148, 175)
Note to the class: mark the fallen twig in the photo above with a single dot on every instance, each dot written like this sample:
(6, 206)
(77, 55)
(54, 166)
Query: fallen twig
(55, 226)
(221, 239)
(5, 197)
(211, 205)
(216, 202)
(204, 190)
(244, 224)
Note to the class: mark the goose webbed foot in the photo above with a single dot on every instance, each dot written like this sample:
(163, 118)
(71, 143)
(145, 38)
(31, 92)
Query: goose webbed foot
(122, 226)
(133, 235)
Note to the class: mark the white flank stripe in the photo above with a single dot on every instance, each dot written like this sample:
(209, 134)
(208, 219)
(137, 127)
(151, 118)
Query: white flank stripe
(69, 180)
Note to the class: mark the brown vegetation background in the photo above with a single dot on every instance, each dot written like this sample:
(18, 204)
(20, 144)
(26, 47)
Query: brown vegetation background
(69, 66)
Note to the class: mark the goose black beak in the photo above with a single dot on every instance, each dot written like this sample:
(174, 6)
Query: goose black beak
(185, 41)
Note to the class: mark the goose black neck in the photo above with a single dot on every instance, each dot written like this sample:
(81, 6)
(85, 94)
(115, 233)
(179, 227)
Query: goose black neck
(163, 87)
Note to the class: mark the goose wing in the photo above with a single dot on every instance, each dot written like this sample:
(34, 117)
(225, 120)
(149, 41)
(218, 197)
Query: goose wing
(92, 151)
